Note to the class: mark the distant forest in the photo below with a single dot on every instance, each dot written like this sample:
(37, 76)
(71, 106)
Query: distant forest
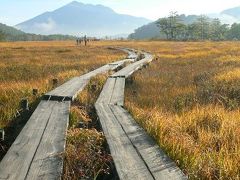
(188, 28)
(8, 33)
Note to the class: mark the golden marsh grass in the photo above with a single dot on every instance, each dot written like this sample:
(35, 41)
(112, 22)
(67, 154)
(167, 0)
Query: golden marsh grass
(189, 101)
(28, 65)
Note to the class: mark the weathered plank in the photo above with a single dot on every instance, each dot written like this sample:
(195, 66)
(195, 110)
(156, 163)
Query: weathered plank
(128, 163)
(160, 165)
(106, 94)
(36, 153)
(124, 134)
(48, 160)
(132, 54)
(70, 89)
(129, 70)
(16, 162)
(119, 63)
(118, 92)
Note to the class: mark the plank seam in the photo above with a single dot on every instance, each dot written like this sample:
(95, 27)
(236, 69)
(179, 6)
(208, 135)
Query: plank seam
(115, 81)
(131, 142)
(38, 144)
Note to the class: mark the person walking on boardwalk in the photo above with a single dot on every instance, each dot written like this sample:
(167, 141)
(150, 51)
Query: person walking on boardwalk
(77, 41)
(85, 40)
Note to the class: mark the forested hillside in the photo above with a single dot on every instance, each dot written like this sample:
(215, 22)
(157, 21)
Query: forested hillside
(8, 33)
(151, 30)
(193, 28)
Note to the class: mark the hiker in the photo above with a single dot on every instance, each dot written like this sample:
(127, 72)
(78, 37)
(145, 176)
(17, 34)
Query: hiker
(78, 41)
(85, 40)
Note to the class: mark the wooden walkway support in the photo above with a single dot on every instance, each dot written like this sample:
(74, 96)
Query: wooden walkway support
(136, 155)
(37, 151)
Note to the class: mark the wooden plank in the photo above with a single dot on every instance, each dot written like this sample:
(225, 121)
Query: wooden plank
(48, 161)
(121, 61)
(132, 54)
(129, 70)
(36, 152)
(128, 163)
(70, 89)
(106, 94)
(160, 165)
(118, 92)
(16, 162)
(124, 134)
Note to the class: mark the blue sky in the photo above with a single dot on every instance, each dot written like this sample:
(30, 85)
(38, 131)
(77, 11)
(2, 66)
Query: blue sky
(15, 11)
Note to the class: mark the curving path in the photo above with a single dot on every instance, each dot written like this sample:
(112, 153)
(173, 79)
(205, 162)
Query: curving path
(37, 151)
(135, 153)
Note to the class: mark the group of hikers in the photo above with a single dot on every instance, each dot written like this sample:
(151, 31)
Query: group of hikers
(85, 40)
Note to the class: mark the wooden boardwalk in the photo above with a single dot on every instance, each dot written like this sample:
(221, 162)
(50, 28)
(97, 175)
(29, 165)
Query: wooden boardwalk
(69, 90)
(127, 71)
(136, 155)
(37, 151)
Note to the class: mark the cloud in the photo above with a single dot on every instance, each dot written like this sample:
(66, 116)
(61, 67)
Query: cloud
(46, 26)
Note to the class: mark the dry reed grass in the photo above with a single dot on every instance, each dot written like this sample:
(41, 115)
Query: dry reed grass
(28, 65)
(189, 101)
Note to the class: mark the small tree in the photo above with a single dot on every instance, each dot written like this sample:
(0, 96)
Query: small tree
(172, 26)
(217, 30)
(234, 32)
(202, 25)
(163, 24)
(192, 32)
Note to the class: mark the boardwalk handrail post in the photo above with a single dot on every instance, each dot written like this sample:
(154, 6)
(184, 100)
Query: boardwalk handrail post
(2, 134)
(55, 82)
(24, 104)
(130, 80)
(93, 87)
(35, 92)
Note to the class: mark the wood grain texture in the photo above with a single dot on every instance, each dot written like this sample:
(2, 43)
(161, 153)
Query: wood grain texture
(118, 92)
(128, 163)
(48, 160)
(129, 70)
(106, 94)
(16, 162)
(160, 165)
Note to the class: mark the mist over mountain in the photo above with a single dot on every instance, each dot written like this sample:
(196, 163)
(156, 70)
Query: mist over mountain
(78, 19)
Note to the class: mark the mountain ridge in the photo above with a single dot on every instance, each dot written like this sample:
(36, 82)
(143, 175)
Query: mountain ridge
(151, 30)
(9, 33)
(78, 18)
(235, 12)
